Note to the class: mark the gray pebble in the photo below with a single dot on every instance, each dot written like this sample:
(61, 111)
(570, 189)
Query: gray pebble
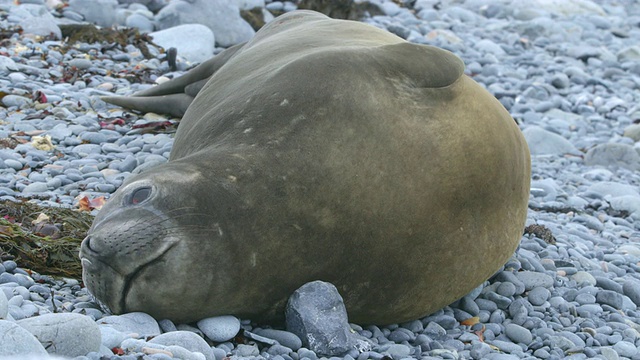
(501, 301)
(626, 349)
(589, 310)
(480, 350)
(560, 81)
(608, 284)
(278, 349)
(584, 277)
(166, 325)
(484, 304)
(36, 187)
(111, 337)
(187, 340)
(446, 321)
(518, 334)
(247, 350)
(139, 21)
(415, 326)
(397, 351)
(10, 265)
(506, 346)
(258, 338)
(285, 338)
(14, 339)
(93, 137)
(509, 276)
(15, 100)
(610, 298)
(138, 322)
(613, 154)
(72, 334)
(81, 64)
(575, 339)
(399, 335)
(220, 328)
(583, 299)
(506, 289)
(86, 149)
(543, 142)
(532, 279)
(434, 328)
(24, 281)
(631, 288)
(220, 354)
(14, 164)
(538, 296)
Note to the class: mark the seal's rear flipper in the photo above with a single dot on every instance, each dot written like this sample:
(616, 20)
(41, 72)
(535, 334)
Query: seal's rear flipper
(200, 73)
(173, 97)
(173, 104)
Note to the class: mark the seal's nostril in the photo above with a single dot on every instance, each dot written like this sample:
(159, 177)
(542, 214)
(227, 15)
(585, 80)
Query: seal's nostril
(86, 244)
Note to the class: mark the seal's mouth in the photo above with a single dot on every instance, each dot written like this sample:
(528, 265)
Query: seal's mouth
(86, 264)
(107, 281)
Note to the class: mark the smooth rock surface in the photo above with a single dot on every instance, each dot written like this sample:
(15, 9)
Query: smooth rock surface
(138, 322)
(222, 17)
(316, 314)
(194, 42)
(16, 340)
(220, 328)
(613, 155)
(100, 12)
(4, 306)
(543, 142)
(64, 334)
(187, 340)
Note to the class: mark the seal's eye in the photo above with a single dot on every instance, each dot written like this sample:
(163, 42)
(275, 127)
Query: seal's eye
(139, 195)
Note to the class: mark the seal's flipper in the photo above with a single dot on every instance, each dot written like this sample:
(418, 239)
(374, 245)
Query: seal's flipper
(195, 75)
(173, 104)
(194, 88)
(426, 66)
(174, 97)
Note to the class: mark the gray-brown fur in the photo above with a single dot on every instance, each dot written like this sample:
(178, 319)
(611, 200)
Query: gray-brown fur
(320, 150)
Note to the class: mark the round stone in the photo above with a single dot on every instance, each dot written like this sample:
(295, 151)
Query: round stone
(36, 187)
(538, 295)
(506, 289)
(285, 338)
(625, 348)
(532, 279)
(584, 277)
(518, 334)
(220, 328)
(16, 340)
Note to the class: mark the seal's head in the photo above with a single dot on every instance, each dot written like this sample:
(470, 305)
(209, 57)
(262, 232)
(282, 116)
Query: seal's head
(142, 239)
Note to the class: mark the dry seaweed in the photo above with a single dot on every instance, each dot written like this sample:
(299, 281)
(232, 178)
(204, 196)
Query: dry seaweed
(340, 9)
(254, 17)
(541, 232)
(48, 247)
(74, 33)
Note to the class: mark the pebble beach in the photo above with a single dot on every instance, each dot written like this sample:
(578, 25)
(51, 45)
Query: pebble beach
(567, 71)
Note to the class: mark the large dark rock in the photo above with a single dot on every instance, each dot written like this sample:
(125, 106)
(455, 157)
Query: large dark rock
(316, 313)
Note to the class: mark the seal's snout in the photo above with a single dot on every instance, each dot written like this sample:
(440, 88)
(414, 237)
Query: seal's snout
(90, 248)
(85, 246)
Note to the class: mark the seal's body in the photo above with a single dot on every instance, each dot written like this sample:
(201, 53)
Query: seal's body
(320, 150)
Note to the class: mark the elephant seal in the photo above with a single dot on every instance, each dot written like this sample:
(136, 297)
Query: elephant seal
(320, 150)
